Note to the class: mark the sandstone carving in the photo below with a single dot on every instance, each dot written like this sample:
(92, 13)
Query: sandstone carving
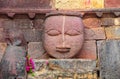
(63, 34)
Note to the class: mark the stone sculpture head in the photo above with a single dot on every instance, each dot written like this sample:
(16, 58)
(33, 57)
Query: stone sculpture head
(63, 34)
(15, 37)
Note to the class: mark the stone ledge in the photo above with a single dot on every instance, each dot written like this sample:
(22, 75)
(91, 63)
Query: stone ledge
(65, 68)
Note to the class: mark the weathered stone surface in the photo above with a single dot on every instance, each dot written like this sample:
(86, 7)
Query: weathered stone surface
(78, 4)
(2, 49)
(110, 21)
(1, 21)
(95, 33)
(35, 49)
(117, 13)
(2, 35)
(113, 32)
(17, 23)
(108, 15)
(112, 3)
(13, 62)
(88, 50)
(91, 21)
(25, 4)
(38, 23)
(109, 55)
(65, 69)
(33, 35)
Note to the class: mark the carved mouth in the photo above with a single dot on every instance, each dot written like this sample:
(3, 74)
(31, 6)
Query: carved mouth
(63, 49)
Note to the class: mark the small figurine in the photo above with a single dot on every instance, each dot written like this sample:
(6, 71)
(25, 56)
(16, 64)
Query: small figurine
(13, 63)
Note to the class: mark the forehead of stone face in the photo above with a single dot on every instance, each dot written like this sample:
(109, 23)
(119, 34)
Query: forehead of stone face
(69, 22)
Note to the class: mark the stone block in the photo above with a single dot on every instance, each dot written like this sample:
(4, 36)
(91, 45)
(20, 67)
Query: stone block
(91, 21)
(88, 50)
(38, 23)
(95, 33)
(109, 57)
(2, 49)
(113, 32)
(112, 3)
(32, 35)
(16, 23)
(110, 21)
(78, 4)
(35, 49)
(65, 69)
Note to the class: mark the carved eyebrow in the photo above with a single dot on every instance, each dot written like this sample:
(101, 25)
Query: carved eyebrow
(80, 31)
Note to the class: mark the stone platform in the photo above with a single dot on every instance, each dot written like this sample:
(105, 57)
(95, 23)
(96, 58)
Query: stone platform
(65, 69)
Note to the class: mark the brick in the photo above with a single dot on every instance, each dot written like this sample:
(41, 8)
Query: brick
(112, 3)
(109, 56)
(35, 49)
(32, 35)
(110, 21)
(95, 33)
(91, 21)
(113, 32)
(2, 49)
(17, 23)
(88, 50)
(78, 4)
(38, 23)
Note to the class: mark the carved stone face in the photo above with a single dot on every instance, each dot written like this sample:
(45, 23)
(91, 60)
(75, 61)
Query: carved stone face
(63, 36)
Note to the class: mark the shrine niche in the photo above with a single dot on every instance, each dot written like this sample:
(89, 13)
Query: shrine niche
(63, 34)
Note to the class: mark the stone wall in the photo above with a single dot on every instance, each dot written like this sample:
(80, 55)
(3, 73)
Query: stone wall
(102, 35)
(106, 27)
(96, 30)
(32, 30)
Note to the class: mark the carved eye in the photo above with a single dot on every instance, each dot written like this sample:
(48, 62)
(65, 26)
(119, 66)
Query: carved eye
(73, 32)
(53, 32)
